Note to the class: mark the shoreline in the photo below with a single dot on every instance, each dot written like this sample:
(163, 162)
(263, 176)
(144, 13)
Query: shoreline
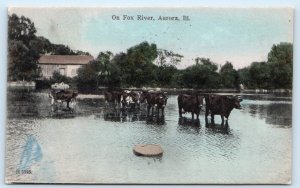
(171, 91)
(221, 91)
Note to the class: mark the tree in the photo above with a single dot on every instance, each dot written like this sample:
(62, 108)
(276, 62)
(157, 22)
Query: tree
(100, 72)
(108, 72)
(40, 45)
(281, 53)
(165, 57)
(280, 60)
(229, 76)
(87, 77)
(21, 29)
(139, 64)
(244, 77)
(166, 61)
(259, 73)
(201, 75)
(22, 51)
(58, 78)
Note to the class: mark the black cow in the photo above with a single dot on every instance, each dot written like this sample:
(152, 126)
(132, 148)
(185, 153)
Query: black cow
(63, 95)
(158, 99)
(221, 105)
(190, 103)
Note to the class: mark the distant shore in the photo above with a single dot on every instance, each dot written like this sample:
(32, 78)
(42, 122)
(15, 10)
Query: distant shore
(244, 91)
(173, 91)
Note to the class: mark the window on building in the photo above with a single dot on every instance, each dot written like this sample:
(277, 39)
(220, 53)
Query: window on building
(73, 72)
(62, 71)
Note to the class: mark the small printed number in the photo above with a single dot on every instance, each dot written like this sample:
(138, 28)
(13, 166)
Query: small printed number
(23, 171)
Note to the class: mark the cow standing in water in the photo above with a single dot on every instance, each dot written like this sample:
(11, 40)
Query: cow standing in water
(190, 103)
(154, 99)
(113, 97)
(221, 105)
(130, 99)
(63, 95)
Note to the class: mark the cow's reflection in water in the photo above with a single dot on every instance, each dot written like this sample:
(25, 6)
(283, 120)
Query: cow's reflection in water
(62, 114)
(60, 111)
(189, 122)
(60, 107)
(190, 126)
(155, 120)
(217, 128)
(121, 115)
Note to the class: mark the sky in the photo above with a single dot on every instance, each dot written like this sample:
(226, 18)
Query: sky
(237, 35)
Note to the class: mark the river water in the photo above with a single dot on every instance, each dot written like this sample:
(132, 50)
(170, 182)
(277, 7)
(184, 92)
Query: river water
(94, 143)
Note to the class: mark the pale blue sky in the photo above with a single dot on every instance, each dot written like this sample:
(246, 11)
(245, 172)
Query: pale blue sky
(240, 36)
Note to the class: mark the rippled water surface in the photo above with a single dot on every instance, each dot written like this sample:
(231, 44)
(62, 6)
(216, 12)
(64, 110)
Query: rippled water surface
(94, 144)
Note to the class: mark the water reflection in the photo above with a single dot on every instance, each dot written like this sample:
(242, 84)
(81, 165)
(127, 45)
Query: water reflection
(188, 122)
(155, 120)
(273, 113)
(63, 115)
(22, 104)
(188, 126)
(279, 114)
(217, 128)
(116, 114)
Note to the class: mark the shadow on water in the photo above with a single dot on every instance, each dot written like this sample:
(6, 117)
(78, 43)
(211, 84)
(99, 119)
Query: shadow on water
(188, 126)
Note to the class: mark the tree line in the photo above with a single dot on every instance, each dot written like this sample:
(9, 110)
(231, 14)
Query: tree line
(144, 65)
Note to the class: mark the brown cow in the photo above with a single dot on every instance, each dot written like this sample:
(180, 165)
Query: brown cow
(63, 95)
(158, 99)
(113, 96)
(190, 103)
(221, 105)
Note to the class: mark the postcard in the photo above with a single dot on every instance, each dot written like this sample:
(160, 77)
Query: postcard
(101, 95)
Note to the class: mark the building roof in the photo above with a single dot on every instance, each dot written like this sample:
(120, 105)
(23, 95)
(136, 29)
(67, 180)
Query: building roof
(65, 59)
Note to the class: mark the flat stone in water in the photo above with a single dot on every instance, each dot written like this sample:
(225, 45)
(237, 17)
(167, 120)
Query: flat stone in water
(147, 150)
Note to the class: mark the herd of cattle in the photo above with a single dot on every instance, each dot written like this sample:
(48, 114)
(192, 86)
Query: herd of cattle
(156, 101)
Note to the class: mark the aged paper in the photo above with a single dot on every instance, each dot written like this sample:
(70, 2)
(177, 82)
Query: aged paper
(208, 90)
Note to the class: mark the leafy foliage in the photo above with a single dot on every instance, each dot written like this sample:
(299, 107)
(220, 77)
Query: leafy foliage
(276, 73)
(23, 55)
(229, 76)
(201, 75)
(280, 59)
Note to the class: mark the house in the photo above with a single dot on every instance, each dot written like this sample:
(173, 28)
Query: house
(66, 65)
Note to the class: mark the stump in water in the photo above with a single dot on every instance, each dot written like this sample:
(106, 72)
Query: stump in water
(148, 150)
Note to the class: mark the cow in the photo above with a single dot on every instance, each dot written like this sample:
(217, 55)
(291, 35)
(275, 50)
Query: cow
(154, 99)
(113, 97)
(63, 95)
(190, 103)
(130, 99)
(221, 105)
